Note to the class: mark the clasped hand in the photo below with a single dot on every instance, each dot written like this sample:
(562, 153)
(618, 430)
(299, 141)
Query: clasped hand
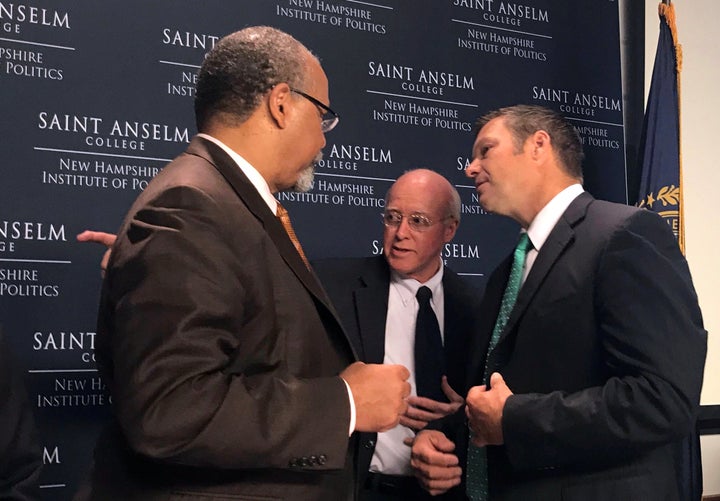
(484, 411)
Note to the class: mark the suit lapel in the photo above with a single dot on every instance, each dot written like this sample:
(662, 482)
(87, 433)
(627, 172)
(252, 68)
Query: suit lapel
(489, 310)
(371, 303)
(454, 329)
(561, 236)
(255, 204)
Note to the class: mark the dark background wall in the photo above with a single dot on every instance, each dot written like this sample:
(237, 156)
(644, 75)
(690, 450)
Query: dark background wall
(97, 96)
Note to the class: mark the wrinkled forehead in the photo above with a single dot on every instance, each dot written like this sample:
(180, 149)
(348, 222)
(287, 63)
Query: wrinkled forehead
(424, 198)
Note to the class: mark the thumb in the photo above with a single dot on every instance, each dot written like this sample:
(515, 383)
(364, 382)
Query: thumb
(441, 442)
(496, 380)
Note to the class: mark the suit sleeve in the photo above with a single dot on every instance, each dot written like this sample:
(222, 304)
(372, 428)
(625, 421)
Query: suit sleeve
(653, 341)
(199, 358)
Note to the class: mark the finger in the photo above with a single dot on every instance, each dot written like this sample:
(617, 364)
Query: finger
(436, 487)
(409, 441)
(418, 413)
(105, 259)
(451, 394)
(430, 405)
(425, 453)
(413, 424)
(475, 390)
(439, 477)
(402, 372)
(100, 237)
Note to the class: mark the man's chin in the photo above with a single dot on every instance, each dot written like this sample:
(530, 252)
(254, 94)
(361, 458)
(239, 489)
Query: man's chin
(304, 181)
(397, 262)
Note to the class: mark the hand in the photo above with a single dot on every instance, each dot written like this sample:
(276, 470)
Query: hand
(434, 464)
(485, 409)
(422, 410)
(380, 393)
(100, 237)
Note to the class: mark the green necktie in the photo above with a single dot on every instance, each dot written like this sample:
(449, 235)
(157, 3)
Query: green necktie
(477, 476)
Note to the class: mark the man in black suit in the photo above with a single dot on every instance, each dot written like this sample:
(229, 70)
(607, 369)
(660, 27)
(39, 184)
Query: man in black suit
(375, 298)
(230, 373)
(595, 378)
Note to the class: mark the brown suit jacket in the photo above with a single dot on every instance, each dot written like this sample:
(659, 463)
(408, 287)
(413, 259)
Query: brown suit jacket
(220, 349)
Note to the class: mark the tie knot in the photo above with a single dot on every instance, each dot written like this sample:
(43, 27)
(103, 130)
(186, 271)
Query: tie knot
(524, 244)
(423, 294)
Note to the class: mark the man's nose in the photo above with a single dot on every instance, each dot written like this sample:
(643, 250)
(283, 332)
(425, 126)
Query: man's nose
(473, 168)
(403, 228)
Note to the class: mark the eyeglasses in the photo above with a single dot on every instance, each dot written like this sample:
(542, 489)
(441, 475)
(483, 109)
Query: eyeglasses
(329, 118)
(416, 222)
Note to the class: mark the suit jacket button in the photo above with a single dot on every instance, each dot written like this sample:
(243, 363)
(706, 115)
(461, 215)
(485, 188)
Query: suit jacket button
(292, 463)
(322, 459)
(370, 444)
(313, 460)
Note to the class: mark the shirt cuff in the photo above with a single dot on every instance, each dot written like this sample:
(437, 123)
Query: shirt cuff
(352, 408)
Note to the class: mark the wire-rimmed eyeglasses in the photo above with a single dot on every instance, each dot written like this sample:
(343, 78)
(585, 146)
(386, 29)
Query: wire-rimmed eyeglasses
(328, 122)
(416, 222)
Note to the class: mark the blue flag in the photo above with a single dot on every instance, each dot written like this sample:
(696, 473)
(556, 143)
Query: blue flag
(661, 192)
(660, 184)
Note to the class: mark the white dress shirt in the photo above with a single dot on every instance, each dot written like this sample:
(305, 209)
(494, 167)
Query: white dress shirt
(545, 220)
(392, 456)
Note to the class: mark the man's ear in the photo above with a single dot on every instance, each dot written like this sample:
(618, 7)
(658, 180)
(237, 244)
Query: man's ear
(540, 144)
(450, 230)
(279, 103)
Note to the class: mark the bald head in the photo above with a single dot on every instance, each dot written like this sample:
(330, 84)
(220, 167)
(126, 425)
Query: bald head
(422, 215)
(437, 189)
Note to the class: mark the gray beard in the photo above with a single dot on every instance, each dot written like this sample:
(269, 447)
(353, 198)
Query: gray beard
(304, 182)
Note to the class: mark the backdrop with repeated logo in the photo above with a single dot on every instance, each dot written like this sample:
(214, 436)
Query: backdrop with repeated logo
(97, 97)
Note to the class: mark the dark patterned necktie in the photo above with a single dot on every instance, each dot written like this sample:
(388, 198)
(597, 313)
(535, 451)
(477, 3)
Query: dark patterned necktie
(284, 217)
(477, 475)
(429, 358)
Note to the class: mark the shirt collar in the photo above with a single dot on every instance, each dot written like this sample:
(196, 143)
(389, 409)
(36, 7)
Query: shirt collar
(408, 287)
(250, 172)
(547, 218)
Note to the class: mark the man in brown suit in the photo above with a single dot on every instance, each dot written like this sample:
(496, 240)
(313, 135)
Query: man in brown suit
(229, 371)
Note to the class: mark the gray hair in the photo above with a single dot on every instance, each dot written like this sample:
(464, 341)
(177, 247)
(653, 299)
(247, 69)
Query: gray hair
(241, 68)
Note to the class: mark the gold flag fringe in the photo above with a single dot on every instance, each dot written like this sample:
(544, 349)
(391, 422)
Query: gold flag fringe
(667, 13)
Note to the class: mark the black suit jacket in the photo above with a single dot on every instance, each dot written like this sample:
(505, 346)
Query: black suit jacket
(220, 349)
(359, 289)
(604, 351)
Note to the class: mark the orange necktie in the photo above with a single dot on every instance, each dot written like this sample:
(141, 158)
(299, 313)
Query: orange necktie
(284, 218)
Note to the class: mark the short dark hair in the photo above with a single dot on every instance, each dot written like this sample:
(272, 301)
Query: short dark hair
(523, 120)
(241, 68)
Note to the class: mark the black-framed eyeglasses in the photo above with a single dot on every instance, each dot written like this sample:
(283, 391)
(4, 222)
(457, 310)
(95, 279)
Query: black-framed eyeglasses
(329, 119)
(416, 222)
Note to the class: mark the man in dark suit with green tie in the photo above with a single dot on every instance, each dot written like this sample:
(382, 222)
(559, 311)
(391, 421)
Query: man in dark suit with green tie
(589, 387)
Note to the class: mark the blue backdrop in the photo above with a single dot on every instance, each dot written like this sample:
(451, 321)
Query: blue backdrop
(97, 96)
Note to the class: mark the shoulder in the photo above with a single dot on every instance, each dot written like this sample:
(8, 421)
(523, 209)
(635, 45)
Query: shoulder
(338, 269)
(460, 290)
(616, 219)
